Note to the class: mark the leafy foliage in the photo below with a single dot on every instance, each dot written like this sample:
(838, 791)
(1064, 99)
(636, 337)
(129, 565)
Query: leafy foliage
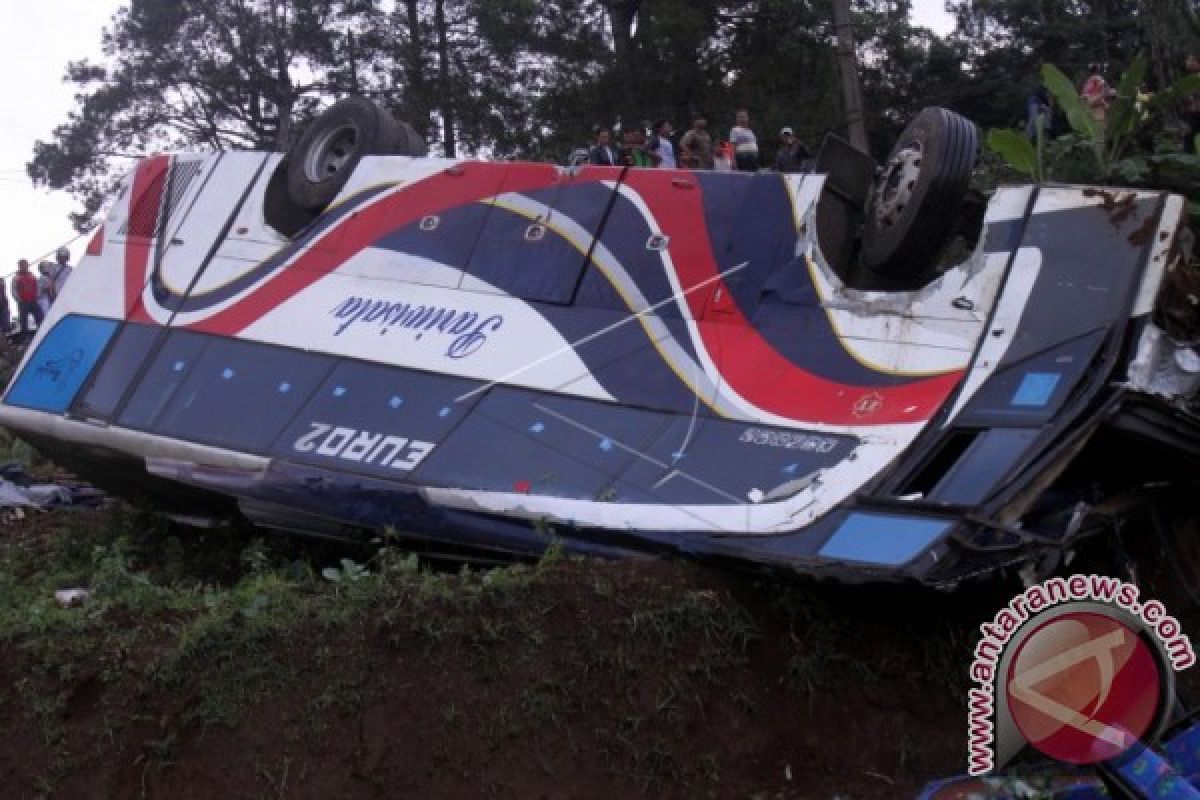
(517, 78)
(1116, 149)
(1017, 150)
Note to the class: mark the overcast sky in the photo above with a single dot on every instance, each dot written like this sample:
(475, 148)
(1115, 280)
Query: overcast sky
(42, 38)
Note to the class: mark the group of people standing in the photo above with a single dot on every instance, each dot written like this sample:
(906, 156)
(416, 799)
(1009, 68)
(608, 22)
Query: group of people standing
(696, 149)
(1098, 95)
(34, 294)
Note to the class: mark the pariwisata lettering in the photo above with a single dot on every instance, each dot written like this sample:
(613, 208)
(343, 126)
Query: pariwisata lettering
(469, 329)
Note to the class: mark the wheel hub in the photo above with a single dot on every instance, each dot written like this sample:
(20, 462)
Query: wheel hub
(894, 189)
(330, 153)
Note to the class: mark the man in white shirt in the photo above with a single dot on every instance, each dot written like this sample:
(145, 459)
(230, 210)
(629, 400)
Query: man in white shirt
(745, 143)
(659, 147)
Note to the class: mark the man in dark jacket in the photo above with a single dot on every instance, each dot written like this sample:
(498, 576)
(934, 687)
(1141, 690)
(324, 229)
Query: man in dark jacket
(603, 154)
(1191, 108)
(5, 312)
(792, 155)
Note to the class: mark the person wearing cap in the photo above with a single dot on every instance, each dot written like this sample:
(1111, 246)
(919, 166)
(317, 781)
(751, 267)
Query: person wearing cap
(792, 155)
(63, 257)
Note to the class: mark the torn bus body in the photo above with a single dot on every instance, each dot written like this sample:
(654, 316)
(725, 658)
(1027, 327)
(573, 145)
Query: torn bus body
(474, 354)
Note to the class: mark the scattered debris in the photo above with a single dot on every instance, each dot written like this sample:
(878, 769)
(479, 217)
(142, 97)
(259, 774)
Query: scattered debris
(72, 597)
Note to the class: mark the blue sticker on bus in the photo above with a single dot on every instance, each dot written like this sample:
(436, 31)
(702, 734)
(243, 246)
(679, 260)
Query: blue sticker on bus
(1036, 389)
(62, 362)
(882, 539)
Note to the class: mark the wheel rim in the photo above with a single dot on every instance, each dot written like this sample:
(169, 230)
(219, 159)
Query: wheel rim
(894, 189)
(330, 153)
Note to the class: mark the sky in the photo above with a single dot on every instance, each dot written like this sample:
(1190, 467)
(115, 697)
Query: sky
(42, 38)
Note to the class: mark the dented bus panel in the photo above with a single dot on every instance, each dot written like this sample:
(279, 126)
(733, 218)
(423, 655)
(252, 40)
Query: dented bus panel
(472, 354)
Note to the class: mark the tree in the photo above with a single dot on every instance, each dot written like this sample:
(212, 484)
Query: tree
(507, 78)
(217, 73)
(1006, 42)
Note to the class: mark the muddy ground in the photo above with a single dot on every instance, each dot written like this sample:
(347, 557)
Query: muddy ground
(236, 664)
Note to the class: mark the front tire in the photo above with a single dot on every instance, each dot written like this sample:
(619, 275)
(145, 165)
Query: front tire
(918, 193)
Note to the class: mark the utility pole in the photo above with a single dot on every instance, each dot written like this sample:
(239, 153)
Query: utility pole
(848, 66)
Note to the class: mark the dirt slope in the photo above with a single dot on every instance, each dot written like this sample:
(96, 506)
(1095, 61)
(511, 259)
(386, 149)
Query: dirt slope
(222, 665)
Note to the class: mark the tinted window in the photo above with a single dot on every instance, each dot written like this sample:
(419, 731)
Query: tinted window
(118, 370)
(707, 460)
(378, 419)
(62, 362)
(171, 366)
(241, 395)
(542, 444)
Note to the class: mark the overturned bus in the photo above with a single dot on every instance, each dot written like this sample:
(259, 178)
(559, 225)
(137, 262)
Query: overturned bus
(856, 373)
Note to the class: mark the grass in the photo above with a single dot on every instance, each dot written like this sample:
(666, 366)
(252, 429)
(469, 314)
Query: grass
(186, 632)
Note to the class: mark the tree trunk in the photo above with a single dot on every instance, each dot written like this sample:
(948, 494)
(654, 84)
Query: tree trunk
(416, 92)
(446, 104)
(283, 133)
(621, 17)
(284, 94)
(848, 65)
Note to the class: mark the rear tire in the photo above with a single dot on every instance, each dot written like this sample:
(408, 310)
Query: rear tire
(918, 193)
(333, 145)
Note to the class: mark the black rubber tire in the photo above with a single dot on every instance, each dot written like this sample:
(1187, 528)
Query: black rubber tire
(329, 151)
(920, 216)
(414, 143)
(278, 209)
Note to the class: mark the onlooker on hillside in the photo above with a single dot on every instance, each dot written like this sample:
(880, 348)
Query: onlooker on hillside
(695, 147)
(63, 257)
(1191, 108)
(745, 143)
(25, 290)
(1039, 113)
(603, 154)
(5, 313)
(723, 156)
(659, 147)
(792, 155)
(633, 148)
(1096, 93)
(45, 284)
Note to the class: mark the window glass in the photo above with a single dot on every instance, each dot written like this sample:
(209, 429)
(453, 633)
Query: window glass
(62, 362)
(378, 419)
(171, 366)
(117, 371)
(241, 394)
